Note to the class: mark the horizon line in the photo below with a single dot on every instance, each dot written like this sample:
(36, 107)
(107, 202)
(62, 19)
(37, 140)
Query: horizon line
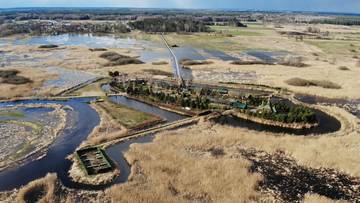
(174, 8)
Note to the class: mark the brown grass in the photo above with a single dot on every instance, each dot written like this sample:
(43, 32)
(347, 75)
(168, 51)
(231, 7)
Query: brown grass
(45, 185)
(185, 170)
(318, 83)
(314, 198)
(20, 90)
(200, 163)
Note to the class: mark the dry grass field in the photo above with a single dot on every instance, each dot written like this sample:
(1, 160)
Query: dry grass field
(202, 163)
(37, 76)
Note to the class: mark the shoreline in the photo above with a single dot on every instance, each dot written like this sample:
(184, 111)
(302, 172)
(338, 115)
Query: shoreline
(262, 121)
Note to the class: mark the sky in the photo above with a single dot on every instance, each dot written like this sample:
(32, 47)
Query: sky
(347, 6)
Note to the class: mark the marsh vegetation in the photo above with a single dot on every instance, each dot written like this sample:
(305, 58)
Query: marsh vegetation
(317, 83)
(116, 59)
(12, 77)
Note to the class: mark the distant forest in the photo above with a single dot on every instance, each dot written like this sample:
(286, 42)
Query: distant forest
(55, 28)
(339, 21)
(173, 24)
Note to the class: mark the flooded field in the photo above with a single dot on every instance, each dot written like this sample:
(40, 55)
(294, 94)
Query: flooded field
(66, 78)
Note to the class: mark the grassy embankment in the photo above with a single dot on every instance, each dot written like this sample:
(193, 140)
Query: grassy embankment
(15, 114)
(130, 118)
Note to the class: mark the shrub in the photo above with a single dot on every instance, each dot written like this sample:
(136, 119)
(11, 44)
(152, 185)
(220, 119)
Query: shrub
(98, 49)
(158, 72)
(319, 83)
(188, 62)
(313, 30)
(16, 80)
(48, 46)
(11, 77)
(343, 68)
(8, 73)
(118, 59)
(295, 61)
(160, 63)
(113, 56)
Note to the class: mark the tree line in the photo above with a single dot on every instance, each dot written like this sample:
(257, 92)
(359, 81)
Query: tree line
(349, 21)
(175, 98)
(171, 24)
(53, 28)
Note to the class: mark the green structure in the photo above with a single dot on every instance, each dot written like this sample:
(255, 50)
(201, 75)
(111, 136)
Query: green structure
(223, 91)
(266, 107)
(239, 105)
(94, 160)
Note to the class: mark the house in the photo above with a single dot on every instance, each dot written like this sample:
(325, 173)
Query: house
(239, 105)
(266, 107)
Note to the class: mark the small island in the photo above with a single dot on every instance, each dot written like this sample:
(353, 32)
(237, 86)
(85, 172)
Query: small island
(197, 99)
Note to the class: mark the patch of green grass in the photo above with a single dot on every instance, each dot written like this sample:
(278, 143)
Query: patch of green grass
(333, 46)
(16, 114)
(237, 31)
(128, 117)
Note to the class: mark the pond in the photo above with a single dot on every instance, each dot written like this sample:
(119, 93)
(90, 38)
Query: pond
(351, 105)
(267, 56)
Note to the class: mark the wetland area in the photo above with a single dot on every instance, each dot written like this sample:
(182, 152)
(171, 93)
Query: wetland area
(230, 127)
